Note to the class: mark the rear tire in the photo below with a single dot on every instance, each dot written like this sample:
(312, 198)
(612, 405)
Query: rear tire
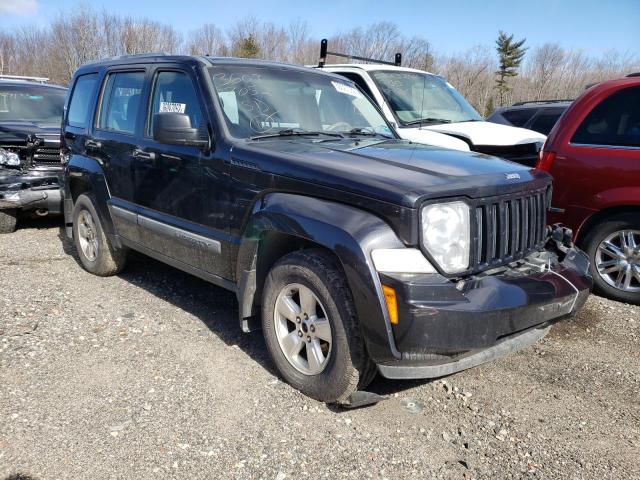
(96, 254)
(615, 260)
(326, 360)
(8, 220)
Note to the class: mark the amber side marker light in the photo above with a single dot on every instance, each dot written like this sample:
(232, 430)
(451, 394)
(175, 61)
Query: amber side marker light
(392, 303)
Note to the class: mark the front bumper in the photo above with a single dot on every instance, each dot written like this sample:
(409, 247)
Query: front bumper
(31, 191)
(446, 327)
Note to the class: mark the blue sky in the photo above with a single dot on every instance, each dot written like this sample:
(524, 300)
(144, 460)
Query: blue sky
(451, 26)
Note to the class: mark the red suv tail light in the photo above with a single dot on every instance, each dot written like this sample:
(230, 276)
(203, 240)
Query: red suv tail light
(546, 160)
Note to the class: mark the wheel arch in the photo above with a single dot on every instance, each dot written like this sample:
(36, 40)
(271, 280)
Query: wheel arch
(599, 216)
(283, 223)
(85, 175)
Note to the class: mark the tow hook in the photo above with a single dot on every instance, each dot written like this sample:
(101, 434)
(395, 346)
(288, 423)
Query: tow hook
(561, 236)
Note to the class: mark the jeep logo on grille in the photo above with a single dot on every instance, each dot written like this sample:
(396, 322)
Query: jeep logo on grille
(512, 176)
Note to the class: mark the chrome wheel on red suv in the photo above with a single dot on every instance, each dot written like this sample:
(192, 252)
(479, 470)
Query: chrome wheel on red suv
(618, 260)
(613, 247)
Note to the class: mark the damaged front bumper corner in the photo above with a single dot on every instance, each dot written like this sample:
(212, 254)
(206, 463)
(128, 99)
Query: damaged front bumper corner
(446, 327)
(30, 192)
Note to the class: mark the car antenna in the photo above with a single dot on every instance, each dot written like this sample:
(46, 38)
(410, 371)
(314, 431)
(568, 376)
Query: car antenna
(324, 52)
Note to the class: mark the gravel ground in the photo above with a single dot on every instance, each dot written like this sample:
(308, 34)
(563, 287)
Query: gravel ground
(147, 375)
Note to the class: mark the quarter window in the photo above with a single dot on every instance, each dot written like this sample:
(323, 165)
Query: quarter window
(614, 122)
(121, 102)
(174, 93)
(80, 103)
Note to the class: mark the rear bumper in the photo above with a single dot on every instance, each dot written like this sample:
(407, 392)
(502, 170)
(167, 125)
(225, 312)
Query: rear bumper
(446, 327)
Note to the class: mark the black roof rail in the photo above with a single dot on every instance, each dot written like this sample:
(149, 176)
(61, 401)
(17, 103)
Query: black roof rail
(558, 100)
(324, 52)
(124, 57)
(634, 74)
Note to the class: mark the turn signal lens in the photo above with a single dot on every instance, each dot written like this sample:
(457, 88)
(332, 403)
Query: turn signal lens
(392, 303)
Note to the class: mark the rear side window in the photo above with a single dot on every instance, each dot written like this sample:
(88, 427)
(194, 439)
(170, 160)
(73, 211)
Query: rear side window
(519, 117)
(80, 104)
(174, 92)
(544, 122)
(614, 122)
(121, 102)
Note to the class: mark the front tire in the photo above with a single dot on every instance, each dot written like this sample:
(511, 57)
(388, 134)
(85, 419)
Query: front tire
(96, 254)
(614, 252)
(8, 220)
(310, 327)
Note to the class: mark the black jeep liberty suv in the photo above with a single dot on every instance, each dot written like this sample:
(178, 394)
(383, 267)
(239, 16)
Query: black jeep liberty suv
(355, 252)
(30, 164)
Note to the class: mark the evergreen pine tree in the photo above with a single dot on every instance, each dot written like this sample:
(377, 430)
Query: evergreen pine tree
(248, 48)
(510, 55)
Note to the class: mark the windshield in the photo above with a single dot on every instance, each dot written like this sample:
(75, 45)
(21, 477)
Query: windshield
(268, 101)
(31, 104)
(417, 98)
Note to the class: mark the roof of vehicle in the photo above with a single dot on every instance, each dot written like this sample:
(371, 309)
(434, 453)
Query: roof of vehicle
(12, 82)
(207, 61)
(372, 67)
(535, 104)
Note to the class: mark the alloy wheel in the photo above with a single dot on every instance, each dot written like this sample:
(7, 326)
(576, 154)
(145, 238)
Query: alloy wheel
(303, 329)
(87, 236)
(618, 260)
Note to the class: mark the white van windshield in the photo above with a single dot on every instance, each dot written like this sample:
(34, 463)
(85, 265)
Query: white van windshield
(419, 98)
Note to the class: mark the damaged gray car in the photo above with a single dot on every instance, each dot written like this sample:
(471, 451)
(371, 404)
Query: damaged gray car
(30, 166)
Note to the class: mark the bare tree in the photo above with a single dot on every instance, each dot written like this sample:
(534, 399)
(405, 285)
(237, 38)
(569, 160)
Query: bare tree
(70, 40)
(207, 40)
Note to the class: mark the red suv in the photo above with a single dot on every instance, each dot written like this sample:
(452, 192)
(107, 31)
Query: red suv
(593, 153)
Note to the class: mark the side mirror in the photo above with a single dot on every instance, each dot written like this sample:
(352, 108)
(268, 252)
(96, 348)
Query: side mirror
(176, 129)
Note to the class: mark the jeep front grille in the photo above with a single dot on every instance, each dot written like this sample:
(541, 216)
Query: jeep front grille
(47, 156)
(508, 228)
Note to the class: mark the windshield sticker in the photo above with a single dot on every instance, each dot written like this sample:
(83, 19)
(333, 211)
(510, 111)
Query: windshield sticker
(346, 89)
(168, 107)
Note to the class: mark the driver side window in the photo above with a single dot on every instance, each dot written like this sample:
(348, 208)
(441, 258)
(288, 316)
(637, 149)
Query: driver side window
(174, 92)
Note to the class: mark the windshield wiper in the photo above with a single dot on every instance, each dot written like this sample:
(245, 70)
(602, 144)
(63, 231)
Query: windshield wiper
(362, 131)
(292, 132)
(427, 120)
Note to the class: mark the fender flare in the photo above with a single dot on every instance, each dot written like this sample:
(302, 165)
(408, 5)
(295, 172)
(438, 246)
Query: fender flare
(350, 233)
(86, 174)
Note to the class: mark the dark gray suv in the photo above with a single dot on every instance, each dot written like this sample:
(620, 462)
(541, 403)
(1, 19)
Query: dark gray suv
(540, 115)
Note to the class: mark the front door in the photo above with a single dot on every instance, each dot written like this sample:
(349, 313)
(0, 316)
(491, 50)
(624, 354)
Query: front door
(168, 178)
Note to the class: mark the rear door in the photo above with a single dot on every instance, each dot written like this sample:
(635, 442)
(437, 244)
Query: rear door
(115, 138)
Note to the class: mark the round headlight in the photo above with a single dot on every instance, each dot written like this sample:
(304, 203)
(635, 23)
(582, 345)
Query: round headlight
(446, 234)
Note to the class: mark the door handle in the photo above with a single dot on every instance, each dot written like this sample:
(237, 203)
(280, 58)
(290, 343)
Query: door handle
(142, 155)
(92, 145)
(69, 135)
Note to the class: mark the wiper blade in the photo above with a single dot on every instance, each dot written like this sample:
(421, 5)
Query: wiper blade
(427, 120)
(362, 131)
(292, 132)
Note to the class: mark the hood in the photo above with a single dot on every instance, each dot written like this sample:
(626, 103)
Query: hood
(16, 133)
(429, 137)
(394, 171)
(488, 133)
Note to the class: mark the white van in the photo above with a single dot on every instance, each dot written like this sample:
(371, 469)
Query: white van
(427, 109)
